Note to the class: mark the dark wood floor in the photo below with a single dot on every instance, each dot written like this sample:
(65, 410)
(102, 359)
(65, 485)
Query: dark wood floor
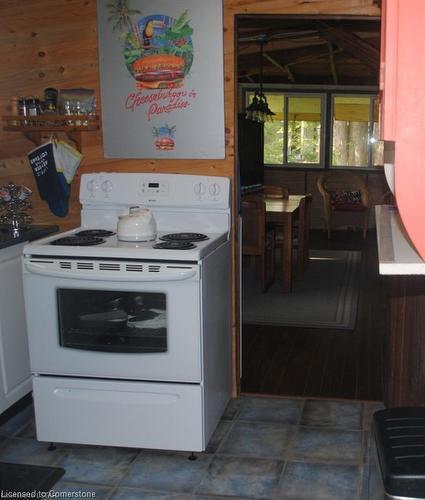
(325, 363)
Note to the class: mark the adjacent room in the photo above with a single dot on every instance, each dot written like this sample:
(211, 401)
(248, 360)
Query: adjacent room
(311, 171)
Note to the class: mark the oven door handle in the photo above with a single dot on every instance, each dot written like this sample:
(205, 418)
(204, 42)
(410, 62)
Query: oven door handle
(153, 276)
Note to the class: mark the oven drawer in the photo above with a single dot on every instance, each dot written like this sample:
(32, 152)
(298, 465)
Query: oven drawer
(115, 413)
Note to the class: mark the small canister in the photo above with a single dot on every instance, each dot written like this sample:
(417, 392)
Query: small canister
(33, 108)
(68, 110)
(22, 109)
(14, 109)
(22, 106)
(50, 100)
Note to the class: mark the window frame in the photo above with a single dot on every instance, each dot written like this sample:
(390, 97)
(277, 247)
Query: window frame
(322, 148)
(327, 121)
(372, 98)
(286, 96)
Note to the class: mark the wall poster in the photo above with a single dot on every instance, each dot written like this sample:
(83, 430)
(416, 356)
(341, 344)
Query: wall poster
(161, 76)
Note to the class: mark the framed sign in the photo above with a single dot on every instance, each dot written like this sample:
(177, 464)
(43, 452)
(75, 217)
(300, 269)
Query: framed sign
(161, 76)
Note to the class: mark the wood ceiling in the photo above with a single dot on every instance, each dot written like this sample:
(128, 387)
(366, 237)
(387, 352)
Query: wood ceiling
(324, 51)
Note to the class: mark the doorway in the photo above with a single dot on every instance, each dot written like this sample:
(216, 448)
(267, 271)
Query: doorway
(315, 54)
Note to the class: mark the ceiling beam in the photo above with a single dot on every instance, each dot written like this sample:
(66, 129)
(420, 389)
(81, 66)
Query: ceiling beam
(290, 74)
(332, 63)
(285, 57)
(278, 45)
(248, 77)
(284, 69)
(304, 59)
(351, 43)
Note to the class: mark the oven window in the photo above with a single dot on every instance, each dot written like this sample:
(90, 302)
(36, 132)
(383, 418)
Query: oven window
(104, 320)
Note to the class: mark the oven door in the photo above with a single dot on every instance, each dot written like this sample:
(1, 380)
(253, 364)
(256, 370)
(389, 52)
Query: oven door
(116, 319)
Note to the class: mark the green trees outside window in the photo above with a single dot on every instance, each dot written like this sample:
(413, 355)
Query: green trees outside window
(300, 130)
(355, 134)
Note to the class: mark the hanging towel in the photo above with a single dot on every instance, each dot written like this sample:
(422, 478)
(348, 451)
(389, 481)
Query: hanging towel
(67, 159)
(54, 164)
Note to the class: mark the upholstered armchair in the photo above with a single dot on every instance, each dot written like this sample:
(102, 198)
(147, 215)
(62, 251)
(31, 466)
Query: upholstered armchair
(343, 191)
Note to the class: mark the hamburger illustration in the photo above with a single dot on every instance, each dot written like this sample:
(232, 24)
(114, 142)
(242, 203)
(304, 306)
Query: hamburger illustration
(159, 71)
(164, 137)
(164, 144)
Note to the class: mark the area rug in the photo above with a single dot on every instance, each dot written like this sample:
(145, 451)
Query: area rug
(326, 297)
(20, 478)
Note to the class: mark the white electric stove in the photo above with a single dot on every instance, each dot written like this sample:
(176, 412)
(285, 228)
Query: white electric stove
(130, 344)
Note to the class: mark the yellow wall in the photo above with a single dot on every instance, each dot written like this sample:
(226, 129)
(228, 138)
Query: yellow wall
(53, 43)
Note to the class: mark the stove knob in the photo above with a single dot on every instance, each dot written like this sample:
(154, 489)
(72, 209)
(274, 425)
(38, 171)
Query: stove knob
(106, 186)
(92, 185)
(214, 189)
(199, 188)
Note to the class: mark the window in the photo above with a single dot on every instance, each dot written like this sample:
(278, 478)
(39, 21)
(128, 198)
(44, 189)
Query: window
(303, 134)
(303, 120)
(294, 135)
(355, 131)
(377, 146)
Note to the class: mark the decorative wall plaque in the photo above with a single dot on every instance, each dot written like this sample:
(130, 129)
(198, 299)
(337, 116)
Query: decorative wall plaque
(161, 75)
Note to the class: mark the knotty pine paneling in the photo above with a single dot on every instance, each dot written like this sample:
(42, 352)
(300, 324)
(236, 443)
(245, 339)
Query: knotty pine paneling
(53, 43)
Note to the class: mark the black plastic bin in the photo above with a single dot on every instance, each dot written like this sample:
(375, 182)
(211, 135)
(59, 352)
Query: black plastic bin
(397, 462)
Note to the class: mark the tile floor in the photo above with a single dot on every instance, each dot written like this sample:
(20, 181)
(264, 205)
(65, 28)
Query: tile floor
(263, 448)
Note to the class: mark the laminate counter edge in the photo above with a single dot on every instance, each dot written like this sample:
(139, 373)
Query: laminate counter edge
(396, 253)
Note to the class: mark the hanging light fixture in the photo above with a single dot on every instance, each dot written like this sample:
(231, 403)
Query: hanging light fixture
(259, 110)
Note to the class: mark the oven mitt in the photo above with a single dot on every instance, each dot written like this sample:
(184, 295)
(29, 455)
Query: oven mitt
(51, 184)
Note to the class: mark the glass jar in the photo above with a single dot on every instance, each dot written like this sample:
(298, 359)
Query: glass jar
(22, 110)
(33, 109)
(50, 100)
(68, 110)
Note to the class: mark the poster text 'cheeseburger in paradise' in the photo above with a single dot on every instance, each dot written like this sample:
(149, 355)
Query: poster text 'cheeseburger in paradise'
(161, 74)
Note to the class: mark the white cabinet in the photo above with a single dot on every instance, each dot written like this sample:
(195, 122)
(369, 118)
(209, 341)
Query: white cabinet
(15, 380)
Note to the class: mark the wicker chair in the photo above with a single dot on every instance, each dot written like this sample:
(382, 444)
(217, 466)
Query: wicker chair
(343, 192)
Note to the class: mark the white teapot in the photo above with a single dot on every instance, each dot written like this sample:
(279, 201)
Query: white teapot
(136, 225)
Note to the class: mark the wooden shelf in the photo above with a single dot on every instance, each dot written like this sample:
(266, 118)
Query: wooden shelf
(36, 128)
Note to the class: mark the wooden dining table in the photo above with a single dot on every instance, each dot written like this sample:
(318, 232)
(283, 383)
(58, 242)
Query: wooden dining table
(283, 212)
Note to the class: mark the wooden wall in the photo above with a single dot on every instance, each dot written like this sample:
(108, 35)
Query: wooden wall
(53, 43)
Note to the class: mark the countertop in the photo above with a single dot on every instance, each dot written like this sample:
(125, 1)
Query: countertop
(32, 233)
(397, 254)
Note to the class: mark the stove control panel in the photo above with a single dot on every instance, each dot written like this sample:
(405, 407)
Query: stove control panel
(154, 187)
(151, 189)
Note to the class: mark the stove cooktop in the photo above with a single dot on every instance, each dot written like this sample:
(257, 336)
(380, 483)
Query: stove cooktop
(78, 241)
(100, 243)
(94, 233)
(90, 237)
(180, 241)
